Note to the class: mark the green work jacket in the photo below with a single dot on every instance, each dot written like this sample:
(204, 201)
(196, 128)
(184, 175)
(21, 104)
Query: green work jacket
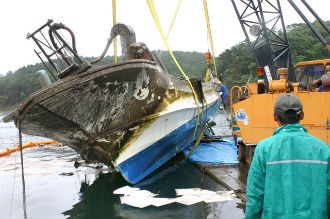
(289, 176)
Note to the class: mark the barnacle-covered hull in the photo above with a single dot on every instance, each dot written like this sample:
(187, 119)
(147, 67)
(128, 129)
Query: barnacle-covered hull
(132, 115)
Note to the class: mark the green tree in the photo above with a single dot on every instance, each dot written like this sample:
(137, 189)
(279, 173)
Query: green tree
(235, 65)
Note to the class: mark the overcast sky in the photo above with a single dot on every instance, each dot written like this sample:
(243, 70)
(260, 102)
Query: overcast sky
(91, 21)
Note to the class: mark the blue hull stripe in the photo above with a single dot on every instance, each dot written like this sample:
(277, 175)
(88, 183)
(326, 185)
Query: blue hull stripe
(147, 161)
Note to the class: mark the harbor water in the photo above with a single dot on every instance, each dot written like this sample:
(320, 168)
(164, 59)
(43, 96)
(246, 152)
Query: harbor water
(55, 188)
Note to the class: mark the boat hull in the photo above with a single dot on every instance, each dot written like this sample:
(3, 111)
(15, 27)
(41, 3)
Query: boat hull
(95, 105)
(132, 115)
(184, 127)
(127, 115)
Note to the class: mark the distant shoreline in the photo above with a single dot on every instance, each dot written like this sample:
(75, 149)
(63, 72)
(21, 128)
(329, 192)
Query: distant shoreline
(6, 110)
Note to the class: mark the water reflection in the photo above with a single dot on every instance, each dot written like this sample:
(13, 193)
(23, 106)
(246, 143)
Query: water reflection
(98, 200)
(87, 192)
(9, 134)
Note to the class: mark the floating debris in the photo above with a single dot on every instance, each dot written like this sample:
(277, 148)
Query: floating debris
(143, 198)
(76, 164)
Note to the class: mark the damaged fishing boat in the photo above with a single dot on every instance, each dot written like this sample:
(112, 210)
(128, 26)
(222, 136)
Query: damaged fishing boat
(132, 114)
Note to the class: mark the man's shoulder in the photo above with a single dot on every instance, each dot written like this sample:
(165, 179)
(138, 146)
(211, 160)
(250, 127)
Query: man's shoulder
(266, 143)
(317, 141)
(268, 140)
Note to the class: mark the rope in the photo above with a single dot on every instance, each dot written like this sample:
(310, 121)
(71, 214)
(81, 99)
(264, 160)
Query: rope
(209, 33)
(201, 134)
(22, 166)
(173, 19)
(154, 14)
(114, 21)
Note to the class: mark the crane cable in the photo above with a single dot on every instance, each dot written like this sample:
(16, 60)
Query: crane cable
(215, 68)
(172, 22)
(114, 21)
(22, 166)
(209, 33)
(154, 14)
(196, 127)
(155, 17)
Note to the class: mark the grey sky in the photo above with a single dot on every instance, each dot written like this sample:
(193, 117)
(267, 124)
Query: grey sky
(91, 21)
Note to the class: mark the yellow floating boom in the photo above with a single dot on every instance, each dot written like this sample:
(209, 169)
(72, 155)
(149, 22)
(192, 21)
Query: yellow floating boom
(10, 150)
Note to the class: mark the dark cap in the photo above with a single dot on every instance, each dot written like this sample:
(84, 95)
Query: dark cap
(288, 105)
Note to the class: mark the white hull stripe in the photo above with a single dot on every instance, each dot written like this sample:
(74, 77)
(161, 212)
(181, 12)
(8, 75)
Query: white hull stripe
(297, 161)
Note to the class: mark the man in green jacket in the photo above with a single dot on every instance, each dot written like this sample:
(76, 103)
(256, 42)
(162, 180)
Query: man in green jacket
(289, 176)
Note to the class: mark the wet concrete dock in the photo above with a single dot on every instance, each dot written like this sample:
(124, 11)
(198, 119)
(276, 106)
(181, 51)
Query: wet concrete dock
(231, 176)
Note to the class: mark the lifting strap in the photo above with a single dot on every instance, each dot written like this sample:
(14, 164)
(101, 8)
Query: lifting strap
(114, 22)
(173, 19)
(154, 14)
(209, 33)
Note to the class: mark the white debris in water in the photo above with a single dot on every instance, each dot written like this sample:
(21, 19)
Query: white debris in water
(126, 190)
(143, 198)
(206, 195)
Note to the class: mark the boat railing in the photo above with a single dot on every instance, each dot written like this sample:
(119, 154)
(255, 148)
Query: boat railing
(237, 94)
(56, 53)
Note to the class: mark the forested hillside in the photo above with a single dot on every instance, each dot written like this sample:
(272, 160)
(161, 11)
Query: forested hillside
(235, 64)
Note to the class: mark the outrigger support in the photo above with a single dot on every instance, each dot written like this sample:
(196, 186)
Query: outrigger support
(61, 56)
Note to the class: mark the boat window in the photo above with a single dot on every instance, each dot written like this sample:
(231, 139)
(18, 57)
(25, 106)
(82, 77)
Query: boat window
(309, 73)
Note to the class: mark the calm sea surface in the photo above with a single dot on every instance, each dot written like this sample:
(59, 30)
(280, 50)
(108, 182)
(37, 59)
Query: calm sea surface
(56, 189)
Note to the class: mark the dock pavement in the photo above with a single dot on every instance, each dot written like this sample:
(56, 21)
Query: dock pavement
(231, 176)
